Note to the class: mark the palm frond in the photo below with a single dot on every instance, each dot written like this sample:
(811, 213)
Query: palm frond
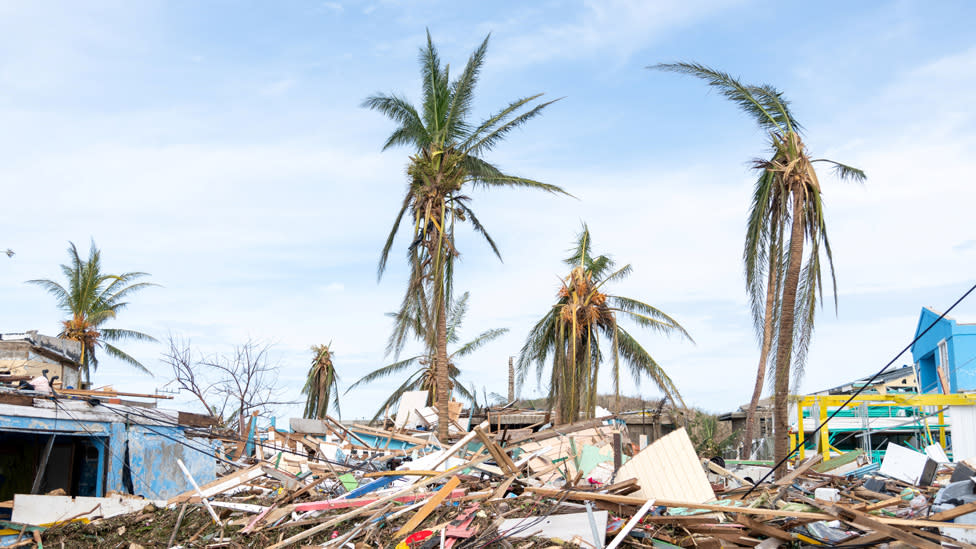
(115, 352)
(649, 317)
(764, 103)
(843, 171)
(483, 339)
(641, 363)
(385, 371)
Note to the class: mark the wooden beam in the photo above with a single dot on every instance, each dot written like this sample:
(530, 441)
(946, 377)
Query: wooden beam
(42, 466)
(803, 467)
(630, 500)
(863, 520)
(428, 507)
(765, 529)
(957, 511)
(501, 458)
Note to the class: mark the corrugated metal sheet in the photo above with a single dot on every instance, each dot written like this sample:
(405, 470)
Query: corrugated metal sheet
(669, 469)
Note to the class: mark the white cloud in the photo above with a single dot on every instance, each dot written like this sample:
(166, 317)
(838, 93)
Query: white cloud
(613, 29)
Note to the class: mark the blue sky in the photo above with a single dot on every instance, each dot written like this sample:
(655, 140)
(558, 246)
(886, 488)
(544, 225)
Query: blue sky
(220, 146)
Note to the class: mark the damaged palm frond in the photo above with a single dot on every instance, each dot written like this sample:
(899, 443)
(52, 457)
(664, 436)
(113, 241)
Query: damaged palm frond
(783, 275)
(583, 317)
(322, 384)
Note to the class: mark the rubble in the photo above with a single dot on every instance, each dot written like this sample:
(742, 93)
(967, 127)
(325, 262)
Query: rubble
(578, 485)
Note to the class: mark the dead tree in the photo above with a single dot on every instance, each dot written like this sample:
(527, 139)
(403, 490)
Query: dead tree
(230, 386)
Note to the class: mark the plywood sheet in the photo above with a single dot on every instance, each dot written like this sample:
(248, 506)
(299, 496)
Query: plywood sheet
(669, 469)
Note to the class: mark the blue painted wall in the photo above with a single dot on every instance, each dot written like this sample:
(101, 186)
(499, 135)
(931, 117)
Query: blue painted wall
(961, 346)
(152, 457)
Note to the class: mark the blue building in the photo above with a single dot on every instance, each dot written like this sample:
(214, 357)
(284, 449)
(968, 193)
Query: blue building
(87, 448)
(945, 357)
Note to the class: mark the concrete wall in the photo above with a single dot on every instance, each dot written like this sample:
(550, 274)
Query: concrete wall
(152, 456)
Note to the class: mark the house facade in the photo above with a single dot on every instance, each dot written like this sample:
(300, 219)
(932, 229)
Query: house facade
(945, 356)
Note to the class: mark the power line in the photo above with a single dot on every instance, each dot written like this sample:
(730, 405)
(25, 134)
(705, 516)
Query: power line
(861, 389)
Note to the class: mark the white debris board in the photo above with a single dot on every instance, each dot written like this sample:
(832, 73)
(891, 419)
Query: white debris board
(669, 469)
(410, 402)
(40, 510)
(564, 527)
(907, 465)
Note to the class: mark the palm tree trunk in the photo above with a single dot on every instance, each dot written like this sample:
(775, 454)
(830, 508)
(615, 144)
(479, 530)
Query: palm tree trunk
(784, 344)
(441, 365)
(767, 342)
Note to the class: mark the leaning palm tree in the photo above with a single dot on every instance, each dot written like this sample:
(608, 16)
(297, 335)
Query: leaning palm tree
(322, 385)
(448, 159)
(424, 377)
(91, 298)
(783, 280)
(583, 318)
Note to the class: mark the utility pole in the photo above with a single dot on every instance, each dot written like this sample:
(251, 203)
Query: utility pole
(511, 380)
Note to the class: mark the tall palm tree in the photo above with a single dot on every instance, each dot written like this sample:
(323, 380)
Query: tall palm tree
(448, 159)
(783, 280)
(322, 385)
(572, 329)
(91, 298)
(424, 377)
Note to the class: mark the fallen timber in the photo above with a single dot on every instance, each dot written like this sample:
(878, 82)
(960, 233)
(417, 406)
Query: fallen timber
(583, 485)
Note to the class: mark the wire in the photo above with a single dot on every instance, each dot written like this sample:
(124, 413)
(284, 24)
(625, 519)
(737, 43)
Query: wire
(360, 466)
(862, 388)
(105, 445)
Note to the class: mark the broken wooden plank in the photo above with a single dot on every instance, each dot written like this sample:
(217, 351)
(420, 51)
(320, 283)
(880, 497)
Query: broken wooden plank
(220, 485)
(765, 529)
(501, 458)
(862, 520)
(801, 468)
(351, 514)
(339, 503)
(428, 507)
(577, 495)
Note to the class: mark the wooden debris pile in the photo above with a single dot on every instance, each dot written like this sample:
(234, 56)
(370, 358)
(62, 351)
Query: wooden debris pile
(578, 485)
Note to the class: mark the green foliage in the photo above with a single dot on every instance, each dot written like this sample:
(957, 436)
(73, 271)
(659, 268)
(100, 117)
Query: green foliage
(583, 318)
(709, 436)
(423, 376)
(91, 298)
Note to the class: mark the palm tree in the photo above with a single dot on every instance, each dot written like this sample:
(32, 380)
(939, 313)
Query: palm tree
(424, 378)
(448, 159)
(322, 385)
(91, 298)
(572, 329)
(784, 286)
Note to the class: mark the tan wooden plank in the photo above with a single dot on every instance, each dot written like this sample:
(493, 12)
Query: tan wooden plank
(428, 507)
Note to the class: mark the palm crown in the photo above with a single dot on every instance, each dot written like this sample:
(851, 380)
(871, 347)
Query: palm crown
(91, 298)
(572, 329)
